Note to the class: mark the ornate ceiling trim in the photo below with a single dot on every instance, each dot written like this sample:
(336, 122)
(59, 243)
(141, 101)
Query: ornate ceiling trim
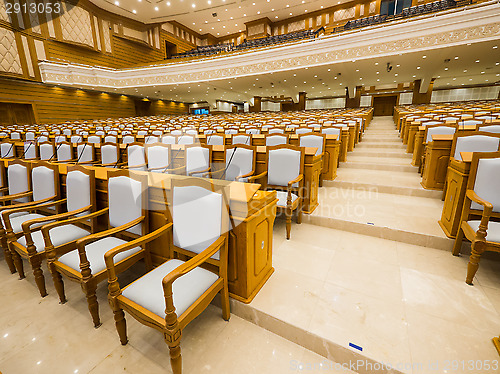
(449, 29)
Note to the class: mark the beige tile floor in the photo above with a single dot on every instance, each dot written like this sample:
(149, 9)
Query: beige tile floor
(404, 304)
(41, 336)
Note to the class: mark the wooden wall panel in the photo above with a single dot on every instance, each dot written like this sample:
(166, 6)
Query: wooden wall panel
(161, 107)
(56, 104)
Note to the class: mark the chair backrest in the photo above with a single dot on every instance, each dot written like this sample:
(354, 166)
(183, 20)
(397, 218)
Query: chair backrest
(168, 139)
(276, 130)
(29, 150)
(199, 216)
(60, 139)
(15, 135)
(158, 157)
(136, 159)
(96, 139)
(128, 139)
(252, 131)
(214, 139)
(302, 130)
(185, 139)
(30, 136)
(197, 158)
(7, 150)
(474, 143)
(85, 152)
(331, 131)
(76, 139)
(64, 151)
(284, 164)
(127, 199)
(176, 132)
(313, 140)
(231, 131)
(46, 150)
(45, 180)
(470, 122)
(110, 153)
(80, 191)
(438, 130)
(150, 139)
(492, 129)
(19, 178)
(484, 179)
(240, 160)
(110, 139)
(241, 139)
(276, 139)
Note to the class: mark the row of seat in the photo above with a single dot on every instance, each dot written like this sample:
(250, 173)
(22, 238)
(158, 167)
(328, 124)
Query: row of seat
(43, 224)
(208, 50)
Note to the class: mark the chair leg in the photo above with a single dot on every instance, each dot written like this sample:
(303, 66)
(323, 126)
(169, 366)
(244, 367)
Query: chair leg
(299, 215)
(8, 259)
(175, 358)
(90, 292)
(224, 295)
(148, 261)
(58, 283)
(288, 225)
(36, 263)
(121, 325)
(18, 262)
(473, 265)
(458, 243)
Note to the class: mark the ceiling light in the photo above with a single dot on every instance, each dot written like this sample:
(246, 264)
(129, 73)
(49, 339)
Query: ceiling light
(424, 56)
(156, 8)
(456, 57)
(477, 60)
(117, 3)
(134, 11)
(418, 67)
(193, 5)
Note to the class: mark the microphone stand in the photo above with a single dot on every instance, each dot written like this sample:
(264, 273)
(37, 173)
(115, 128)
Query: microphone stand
(55, 152)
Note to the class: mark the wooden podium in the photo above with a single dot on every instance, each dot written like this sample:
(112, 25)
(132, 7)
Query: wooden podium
(437, 156)
(456, 186)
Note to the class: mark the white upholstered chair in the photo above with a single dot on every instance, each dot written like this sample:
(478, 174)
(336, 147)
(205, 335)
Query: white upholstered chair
(285, 174)
(474, 142)
(491, 128)
(214, 139)
(276, 139)
(157, 157)
(481, 214)
(64, 152)
(168, 139)
(186, 139)
(239, 165)
(128, 139)
(31, 245)
(197, 160)
(110, 155)
(85, 154)
(7, 150)
(241, 139)
(96, 139)
(174, 293)
(136, 159)
(127, 220)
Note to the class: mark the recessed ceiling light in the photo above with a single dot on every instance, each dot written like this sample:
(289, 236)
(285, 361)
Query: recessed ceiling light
(117, 3)
(156, 8)
(134, 11)
(456, 57)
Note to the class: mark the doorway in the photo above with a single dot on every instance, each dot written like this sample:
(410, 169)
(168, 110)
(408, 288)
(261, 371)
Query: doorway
(170, 50)
(384, 105)
(20, 114)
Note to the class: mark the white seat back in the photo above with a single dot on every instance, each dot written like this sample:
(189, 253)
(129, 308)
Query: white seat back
(76, 139)
(29, 150)
(493, 128)
(64, 152)
(158, 157)
(125, 202)
(487, 184)
(197, 218)
(215, 140)
(168, 139)
(127, 139)
(276, 131)
(110, 139)
(109, 154)
(77, 190)
(197, 158)
(17, 180)
(239, 161)
(46, 151)
(7, 150)
(315, 141)
(185, 139)
(475, 143)
(283, 166)
(94, 139)
(43, 182)
(276, 140)
(136, 157)
(84, 153)
(241, 139)
(439, 130)
(331, 131)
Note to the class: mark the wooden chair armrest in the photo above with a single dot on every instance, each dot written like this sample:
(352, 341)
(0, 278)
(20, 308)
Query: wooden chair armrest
(193, 263)
(243, 176)
(80, 243)
(135, 166)
(46, 228)
(16, 196)
(109, 255)
(117, 164)
(37, 204)
(64, 161)
(175, 169)
(296, 180)
(26, 226)
(474, 197)
(258, 176)
(4, 189)
(200, 171)
(158, 168)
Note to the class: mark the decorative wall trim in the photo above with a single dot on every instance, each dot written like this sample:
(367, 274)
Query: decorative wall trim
(449, 29)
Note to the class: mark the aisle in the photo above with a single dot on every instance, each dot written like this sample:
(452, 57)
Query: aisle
(377, 192)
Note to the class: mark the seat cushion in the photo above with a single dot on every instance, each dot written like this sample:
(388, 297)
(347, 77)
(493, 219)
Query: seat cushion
(493, 232)
(17, 221)
(59, 235)
(147, 291)
(95, 254)
(282, 196)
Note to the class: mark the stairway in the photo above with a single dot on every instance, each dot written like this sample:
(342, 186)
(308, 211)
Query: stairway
(377, 192)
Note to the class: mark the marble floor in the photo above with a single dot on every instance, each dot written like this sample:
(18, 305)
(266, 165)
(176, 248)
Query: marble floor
(41, 336)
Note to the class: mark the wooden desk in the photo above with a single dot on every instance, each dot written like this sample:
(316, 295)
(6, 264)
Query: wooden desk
(252, 211)
(456, 186)
(437, 156)
(312, 170)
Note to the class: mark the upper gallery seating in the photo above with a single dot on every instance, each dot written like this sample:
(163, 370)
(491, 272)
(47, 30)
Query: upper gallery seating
(207, 50)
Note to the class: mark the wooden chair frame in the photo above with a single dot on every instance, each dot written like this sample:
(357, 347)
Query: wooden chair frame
(29, 251)
(87, 280)
(477, 238)
(290, 207)
(462, 134)
(323, 163)
(172, 325)
(33, 206)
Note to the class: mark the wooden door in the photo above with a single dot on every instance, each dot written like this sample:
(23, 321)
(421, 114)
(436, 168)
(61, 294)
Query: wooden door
(384, 105)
